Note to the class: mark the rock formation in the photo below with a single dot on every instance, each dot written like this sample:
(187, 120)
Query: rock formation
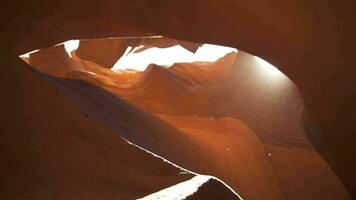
(51, 149)
(190, 113)
(311, 42)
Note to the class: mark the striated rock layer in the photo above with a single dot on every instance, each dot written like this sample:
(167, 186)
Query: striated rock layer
(312, 42)
(206, 118)
(51, 149)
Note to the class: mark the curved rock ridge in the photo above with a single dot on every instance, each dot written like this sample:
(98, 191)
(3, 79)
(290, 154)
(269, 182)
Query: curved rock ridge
(209, 191)
(52, 149)
(206, 117)
(54, 61)
(312, 42)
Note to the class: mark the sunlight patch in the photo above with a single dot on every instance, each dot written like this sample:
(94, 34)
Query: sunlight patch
(179, 191)
(269, 68)
(70, 46)
(168, 56)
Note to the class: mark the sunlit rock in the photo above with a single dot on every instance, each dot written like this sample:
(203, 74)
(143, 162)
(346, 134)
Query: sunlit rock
(233, 118)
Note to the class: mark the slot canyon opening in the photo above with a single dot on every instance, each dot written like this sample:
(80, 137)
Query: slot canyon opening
(210, 109)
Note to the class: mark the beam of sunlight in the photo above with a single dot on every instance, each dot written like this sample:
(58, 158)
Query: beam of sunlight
(268, 68)
(179, 191)
(168, 56)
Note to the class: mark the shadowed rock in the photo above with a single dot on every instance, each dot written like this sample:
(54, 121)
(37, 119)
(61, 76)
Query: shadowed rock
(51, 149)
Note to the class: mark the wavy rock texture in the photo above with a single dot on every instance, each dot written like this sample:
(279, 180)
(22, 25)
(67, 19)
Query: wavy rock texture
(51, 149)
(206, 117)
(312, 42)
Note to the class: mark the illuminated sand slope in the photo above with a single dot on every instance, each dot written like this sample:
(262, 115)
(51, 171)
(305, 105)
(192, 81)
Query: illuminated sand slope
(199, 187)
(231, 119)
(179, 191)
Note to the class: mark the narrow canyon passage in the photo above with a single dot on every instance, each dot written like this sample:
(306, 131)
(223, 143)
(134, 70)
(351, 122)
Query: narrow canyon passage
(312, 42)
(234, 117)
